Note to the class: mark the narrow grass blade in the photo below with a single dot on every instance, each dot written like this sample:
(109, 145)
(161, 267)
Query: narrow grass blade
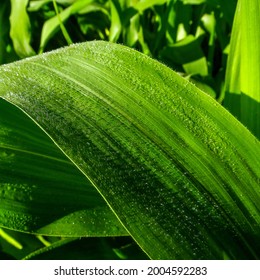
(62, 27)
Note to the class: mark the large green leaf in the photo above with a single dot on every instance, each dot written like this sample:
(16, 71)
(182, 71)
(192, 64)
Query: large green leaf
(243, 70)
(40, 190)
(179, 171)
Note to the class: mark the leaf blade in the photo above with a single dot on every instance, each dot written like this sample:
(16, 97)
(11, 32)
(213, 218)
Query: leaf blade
(242, 83)
(137, 140)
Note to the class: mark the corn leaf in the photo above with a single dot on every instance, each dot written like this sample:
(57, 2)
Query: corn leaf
(178, 170)
(243, 70)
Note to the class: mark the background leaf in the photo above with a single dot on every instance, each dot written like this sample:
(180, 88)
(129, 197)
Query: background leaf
(116, 26)
(20, 28)
(187, 53)
(243, 71)
(7, 53)
(51, 26)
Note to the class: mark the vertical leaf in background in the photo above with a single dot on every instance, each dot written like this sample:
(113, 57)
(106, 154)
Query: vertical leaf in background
(131, 21)
(243, 71)
(20, 28)
(132, 31)
(116, 25)
(209, 23)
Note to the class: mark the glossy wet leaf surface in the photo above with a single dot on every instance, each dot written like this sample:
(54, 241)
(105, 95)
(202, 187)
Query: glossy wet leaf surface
(164, 156)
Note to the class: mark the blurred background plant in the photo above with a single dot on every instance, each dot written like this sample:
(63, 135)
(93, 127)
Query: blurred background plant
(190, 36)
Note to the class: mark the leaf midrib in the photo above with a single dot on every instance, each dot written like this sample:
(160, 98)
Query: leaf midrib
(6, 147)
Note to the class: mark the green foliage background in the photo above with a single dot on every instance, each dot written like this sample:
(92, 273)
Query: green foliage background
(192, 37)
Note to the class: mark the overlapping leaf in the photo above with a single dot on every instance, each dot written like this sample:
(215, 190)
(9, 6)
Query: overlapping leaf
(40, 190)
